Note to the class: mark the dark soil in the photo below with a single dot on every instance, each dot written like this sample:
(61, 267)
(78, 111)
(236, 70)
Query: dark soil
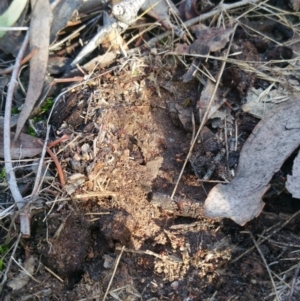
(114, 227)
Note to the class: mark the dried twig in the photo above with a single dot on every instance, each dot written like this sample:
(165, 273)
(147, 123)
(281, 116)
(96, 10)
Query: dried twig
(125, 14)
(167, 258)
(113, 274)
(24, 61)
(95, 194)
(10, 174)
(53, 274)
(58, 166)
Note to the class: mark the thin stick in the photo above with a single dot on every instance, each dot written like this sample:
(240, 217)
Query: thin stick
(205, 115)
(46, 147)
(10, 174)
(294, 282)
(58, 167)
(113, 274)
(167, 258)
(52, 273)
(280, 244)
(24, 61)
(268, 236)
(94, 194)
(15, 28)
(202, 17)
(226, 144)
(39, 170)
(236, 135)
(25, 271)
(265, 262)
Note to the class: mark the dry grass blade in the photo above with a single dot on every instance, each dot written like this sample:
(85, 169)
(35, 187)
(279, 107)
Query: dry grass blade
(265, 262)
(39, 170)
(4, 278)
(25, 274)
(205, 116)
(264, 238)
(52, 273)
(114, 272)
(217, 10)
(294, 282)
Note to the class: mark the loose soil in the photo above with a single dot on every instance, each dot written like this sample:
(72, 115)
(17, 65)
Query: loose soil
(128, 147)
(113, 232)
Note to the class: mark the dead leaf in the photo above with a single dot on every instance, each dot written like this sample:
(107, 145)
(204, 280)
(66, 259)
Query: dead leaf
(295, 4)
(92, 5)
(181, 115)
(182, 48)
(274, 138)
(74, 182)
(260, 101)
(24, 276)
(62, 14)
(208, 40)
(215, 38)
(187, 10)
(293, 182)
(159, 10)
(257, 109)
(152, 168)
(205, 99)
(41, 19)
(25, 146)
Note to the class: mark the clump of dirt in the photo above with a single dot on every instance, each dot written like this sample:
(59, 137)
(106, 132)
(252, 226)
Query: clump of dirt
(65, 256)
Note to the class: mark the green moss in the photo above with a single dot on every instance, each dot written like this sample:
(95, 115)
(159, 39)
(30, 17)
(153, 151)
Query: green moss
(31, 131)
(2, 173)
(47, 105)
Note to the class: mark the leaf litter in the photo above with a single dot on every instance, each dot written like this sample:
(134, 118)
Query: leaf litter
(259, 159)
(130, 127)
